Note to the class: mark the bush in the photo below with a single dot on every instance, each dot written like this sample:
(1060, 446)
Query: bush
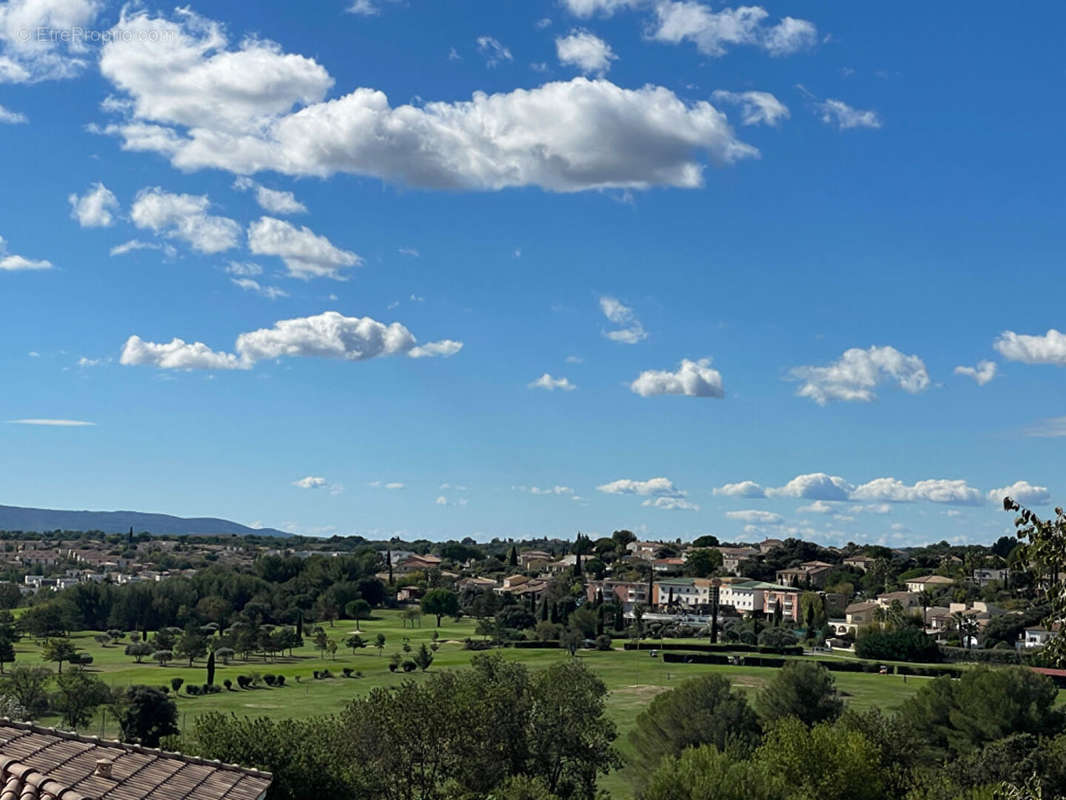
(270, 679)
(905, 644)
(228, 684)
(392, 667)
(347, 672)
(475, 644)
(280, 680)
(244, 681)
(409, 666)
(603, 642)
(995, 656)
(192, 690)
(176, 684)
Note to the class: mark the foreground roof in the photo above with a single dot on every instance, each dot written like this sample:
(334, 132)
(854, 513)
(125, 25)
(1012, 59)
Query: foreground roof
(39, 763)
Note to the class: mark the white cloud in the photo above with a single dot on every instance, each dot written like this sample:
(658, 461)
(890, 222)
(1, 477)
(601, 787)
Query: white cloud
(586, 51)
(670, 504)
(982, 373)
(95, 208)
(858, 372)
(546, 381)
(272, 200)
(1023, 492)
(755, 107)
(444, 501)
(391, 485)
(714, 31)
(311, 482)
(1047, 349)
(244, 269)
(409, 251)
(1052, 428)
(756, 517)
(814, 486)
(741, 489)
(817, 507)
(39, 39)
(655, 487)
(588, 8)
(892, 490)
(194, 98)
(327, 335)
(53, 423)
(9, 262)
(364, 8)
(551, 490)
(839, 113)
(252, 285)
(574, 360)
(692, 379)
(306, 254)
(631, 331)
(9, 117)
(136, 244)
(493, 51)
(184, 217)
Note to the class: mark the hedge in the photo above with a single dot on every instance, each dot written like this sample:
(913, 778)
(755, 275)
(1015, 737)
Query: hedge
(832, 665)
(724, 647)
(521, 645)
(984, 656)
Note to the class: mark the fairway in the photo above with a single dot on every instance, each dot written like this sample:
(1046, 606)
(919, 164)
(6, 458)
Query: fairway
(633, 677)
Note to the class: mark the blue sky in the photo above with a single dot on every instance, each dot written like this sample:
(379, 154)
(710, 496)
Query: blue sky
(497, 269)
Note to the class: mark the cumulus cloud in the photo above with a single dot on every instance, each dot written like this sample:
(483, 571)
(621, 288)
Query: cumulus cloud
(756, 517)
(892, 490)
(253, 286)
(95, 208)
(982, 373)
(814, 486)
(755, 107)
(311, 482)
(630, 330)
(493, 51)
(549, 383)
(184, 217)
(670, 504)
(327, 335)
(192, 96)
(586, 51)
(713, 32)
(272, 200)
(655, 487)
(27, 56)
(741, 489)
(1047, 349)
(1023, 492)
(858, 372)
(306, 254)
(839, 113)
(9, 117)
(692, 379)
(10, 262)
(817, 507)
(588, 8)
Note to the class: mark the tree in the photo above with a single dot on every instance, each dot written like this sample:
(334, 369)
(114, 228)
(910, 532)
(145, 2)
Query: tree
(28, 685)
(512, 557)
(424, 657)
(59, 650)
(440, 602)
(211, 668)
(357, 610)
(79, 695)
(704, 710)
(355, 641)
(801, 689)
(7, 652)
(705, 772)
(571, 639)
(191, 645)
(331, 646)
(163, 656)
(145, 715)
(778, 614)
(379, 643)
(702, 562)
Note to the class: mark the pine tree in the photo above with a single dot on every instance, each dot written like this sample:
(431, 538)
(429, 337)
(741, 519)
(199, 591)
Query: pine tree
(512, 558)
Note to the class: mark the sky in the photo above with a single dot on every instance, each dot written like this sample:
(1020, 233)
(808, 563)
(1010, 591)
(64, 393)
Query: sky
(503, 269)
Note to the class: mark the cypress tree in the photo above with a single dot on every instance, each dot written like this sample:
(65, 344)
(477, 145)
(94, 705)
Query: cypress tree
(577, 566)
(211, 668)
(512, 558)
(619, 618)
(388, 563)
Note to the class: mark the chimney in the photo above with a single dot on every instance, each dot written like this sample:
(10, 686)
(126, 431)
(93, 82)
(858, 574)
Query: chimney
(103, 767)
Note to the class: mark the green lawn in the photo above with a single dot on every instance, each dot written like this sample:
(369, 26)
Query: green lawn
(633, 677)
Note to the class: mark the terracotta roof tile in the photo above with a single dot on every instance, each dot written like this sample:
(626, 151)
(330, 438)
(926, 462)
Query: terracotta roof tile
(45, 764)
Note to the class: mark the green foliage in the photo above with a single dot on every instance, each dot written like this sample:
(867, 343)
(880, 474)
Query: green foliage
(423, 657)
(800, 689)
(702, 562)
(440, 603)
(59, 650)
(78, 696)
(706, 773)
(145, 715)
(705, 710)
(901, 644)
(28, 685)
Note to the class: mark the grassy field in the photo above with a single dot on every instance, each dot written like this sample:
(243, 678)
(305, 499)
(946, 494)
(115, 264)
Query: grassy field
(632, 677)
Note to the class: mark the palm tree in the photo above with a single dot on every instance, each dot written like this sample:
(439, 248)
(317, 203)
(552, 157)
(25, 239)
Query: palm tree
(925, 597)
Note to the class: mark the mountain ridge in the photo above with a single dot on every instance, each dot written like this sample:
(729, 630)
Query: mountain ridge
(18, 518)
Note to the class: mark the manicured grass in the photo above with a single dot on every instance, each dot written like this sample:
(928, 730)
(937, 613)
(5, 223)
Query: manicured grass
(633, 677)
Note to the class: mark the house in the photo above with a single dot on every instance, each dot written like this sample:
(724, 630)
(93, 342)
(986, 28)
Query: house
(688, 593)
(812, 573)
(1037, 636)
(38, 762)
(744, 596)
(512, 582)
(668, 564)
(983, 577)
(531, 559)
(475, 584)
(766, 545)
(928, 583)
(415, 563)
(626, 593)
(861, 563)
(410, 594)
(732, 556)
(644, 550)
(906, 599)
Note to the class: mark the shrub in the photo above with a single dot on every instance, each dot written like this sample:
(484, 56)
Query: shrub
(192, 690)
(176, 683)
(603, 642)
(228, 684)
(270, 679)
(905, 644)
(392, 667)
(244, 681)
(409, 666)
(280, 680)
(347, 672)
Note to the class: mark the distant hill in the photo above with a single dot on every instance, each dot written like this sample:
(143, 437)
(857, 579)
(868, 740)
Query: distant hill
(13, 518)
